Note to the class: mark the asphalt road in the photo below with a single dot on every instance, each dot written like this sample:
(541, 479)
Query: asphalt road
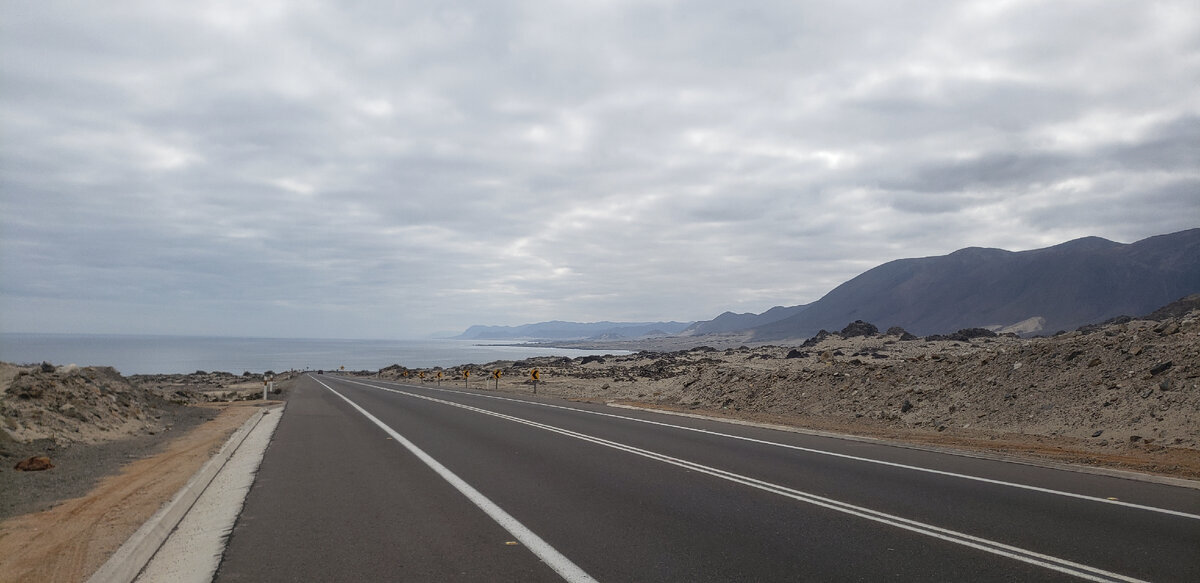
(373, 481)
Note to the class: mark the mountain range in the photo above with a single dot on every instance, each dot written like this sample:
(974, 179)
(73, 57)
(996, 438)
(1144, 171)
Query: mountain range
(1039, 291)
(1062, 287)
(731, 322)
(558, 330)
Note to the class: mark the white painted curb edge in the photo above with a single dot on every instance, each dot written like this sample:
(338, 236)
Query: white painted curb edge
(125, 564)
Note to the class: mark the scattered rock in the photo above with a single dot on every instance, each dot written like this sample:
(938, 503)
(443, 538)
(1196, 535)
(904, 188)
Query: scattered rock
(964, 335)
(906, 407)
(1168, 328)
(1160, 368)
(815, 340)
(793, 353)
(859, 328)
(33, 464)
(1098, 433)
(1089, 328)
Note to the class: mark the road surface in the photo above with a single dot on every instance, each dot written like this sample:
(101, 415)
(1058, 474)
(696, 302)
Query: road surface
(368, 480)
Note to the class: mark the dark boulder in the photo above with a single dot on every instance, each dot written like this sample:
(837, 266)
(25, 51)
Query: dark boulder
(904, 335)
(859, 328)
(34, 464)
(1160, 368)
(815, 340)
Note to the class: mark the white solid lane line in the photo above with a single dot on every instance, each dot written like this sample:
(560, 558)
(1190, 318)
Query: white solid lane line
(548, 554)
(1024, 555)
(819, 451)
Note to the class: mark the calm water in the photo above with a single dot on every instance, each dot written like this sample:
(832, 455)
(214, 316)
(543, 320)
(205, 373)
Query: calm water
(185, 354)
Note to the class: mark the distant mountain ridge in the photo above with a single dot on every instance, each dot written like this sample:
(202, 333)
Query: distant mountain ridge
(1079, 282)
(1040, 291)
(559, 330)
(731, 322)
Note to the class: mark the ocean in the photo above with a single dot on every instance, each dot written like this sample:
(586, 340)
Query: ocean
(131, 354)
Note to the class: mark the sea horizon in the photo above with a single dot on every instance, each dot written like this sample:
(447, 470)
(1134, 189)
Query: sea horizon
(133, 354)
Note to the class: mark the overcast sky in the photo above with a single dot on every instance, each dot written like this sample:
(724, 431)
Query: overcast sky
(393, 169)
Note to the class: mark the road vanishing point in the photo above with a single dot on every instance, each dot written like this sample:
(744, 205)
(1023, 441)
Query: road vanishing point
(367, 480)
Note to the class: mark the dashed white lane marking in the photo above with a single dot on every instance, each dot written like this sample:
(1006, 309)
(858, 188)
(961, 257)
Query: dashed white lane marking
(997, 548)
(1112, 501)
(568, 570)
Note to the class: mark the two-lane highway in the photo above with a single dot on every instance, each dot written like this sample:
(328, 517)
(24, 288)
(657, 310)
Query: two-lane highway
(371, 480)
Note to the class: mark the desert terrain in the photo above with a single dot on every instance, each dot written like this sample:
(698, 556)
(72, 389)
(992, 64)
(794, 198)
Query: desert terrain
(120, 447)
(1121, 395)
(1125, 394)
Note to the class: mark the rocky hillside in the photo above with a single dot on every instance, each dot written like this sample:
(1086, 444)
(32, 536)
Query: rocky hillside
(69, 404)
(1058, 288)
(72, 404)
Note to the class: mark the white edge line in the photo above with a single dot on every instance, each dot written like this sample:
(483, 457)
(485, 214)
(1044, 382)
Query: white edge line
(994, 547)
(828, 453)
(548, 554)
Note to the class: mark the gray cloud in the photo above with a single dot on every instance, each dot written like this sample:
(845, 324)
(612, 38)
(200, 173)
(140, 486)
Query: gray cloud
(390, 169)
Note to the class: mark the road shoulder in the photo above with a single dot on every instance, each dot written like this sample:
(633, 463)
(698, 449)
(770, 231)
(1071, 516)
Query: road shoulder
(71, 540)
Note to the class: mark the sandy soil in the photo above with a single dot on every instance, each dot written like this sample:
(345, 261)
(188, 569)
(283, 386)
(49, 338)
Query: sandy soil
(71, 540)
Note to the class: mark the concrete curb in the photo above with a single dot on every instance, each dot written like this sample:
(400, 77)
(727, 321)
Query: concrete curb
(129, 560)
(1016, 459)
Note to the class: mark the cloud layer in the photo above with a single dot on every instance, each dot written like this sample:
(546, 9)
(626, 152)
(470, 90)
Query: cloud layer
(393, 169)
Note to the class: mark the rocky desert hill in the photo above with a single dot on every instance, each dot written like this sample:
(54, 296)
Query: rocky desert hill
(72, 404)
(69, 404)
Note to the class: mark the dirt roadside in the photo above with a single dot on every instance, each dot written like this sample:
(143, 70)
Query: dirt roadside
(71, 540)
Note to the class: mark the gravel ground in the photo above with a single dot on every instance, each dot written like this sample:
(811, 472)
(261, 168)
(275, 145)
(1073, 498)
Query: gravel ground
(77, 467)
